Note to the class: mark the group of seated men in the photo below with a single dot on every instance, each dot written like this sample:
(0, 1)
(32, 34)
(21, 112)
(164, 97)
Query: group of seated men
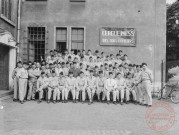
(109, 78)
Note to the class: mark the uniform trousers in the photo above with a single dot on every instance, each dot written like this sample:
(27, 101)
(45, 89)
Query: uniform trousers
(139, 93)
(120, 90)
(22, 88)
(100, 90)
(32, 88)
(82, 89)
(72, 89)
(16, 87)
(41, 91)
(130, 91)
(146, 86)
(54, 91)
(62, 90)
(107, 93)
(90, 90)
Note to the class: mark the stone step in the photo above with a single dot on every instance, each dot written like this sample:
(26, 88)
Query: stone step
(4, 94)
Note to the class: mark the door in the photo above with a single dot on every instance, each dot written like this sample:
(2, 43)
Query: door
(4, 67)
(61, 46)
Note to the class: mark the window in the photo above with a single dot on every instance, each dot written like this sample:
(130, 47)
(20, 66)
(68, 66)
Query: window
(36, 43)
(61, 39)
(6, 8)
(77, 0)
(77, 39)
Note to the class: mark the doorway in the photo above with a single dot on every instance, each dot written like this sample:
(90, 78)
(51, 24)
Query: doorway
(4, 67)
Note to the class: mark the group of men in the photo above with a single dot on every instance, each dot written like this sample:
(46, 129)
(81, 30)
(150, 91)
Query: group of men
(109, 78)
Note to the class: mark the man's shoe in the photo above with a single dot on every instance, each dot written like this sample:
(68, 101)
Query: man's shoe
(22, 102)
(15, 100)
(115, 103)
(149, 105)
(89, 103)
(121, 103)
(82, 102)
(48, 101)
(127, 102)
(54, 102)
(108, 102)
(39, 101)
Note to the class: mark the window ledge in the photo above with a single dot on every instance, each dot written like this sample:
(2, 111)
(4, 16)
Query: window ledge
(7, 20)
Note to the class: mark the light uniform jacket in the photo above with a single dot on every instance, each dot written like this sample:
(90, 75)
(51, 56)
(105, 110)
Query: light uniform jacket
(91, 82)
(121, 83)
(110, 84)
(42, 81)
(53, 82)
(129, 84)
(100, 82)
(70, 82)
(22, 73)
(61, 81)
(81, 82)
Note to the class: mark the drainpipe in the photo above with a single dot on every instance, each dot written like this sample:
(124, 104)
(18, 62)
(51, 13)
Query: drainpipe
(18, 28)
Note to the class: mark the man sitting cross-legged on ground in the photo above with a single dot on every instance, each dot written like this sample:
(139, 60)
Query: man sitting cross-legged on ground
(91, 86)
(42, 84)
(61, 88)
(53, 87)
(130, 88)
(121, 84)
(81, 84)
(110, 86)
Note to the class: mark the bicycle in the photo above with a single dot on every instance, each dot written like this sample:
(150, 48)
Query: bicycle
(171, 91)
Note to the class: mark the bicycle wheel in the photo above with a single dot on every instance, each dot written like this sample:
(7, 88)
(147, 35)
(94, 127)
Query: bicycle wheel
(175, 96)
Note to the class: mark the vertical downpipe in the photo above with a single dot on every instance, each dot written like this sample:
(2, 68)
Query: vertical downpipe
(18, 28)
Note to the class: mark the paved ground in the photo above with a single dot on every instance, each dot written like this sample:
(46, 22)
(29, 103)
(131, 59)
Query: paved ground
(77, 119)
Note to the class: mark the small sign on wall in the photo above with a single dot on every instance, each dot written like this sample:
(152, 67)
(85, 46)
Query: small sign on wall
(118, 36)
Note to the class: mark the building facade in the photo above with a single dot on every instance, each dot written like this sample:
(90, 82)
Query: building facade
(8, 33)
(80, 24)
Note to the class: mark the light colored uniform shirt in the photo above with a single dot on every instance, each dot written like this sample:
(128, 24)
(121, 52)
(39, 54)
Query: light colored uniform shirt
(70, 82)
(91, 81)
(62, 81)
(129, 83)
(146, 75)
(110, 83)
(100, 81)
(81, 82)
(22, 73)
(120, 82)
(53, 82)
(42, 81)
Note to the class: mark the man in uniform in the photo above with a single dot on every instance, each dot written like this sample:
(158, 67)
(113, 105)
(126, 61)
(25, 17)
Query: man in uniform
(146, 80)
(121, 84)
(61, 87)
(81, 86)
(70, 85)
(110, 86)
(100, 85)
(42, 84)
(15, 80)
(22, 76)
(33, 75)
(130, 88)
(91, 86)
(138, 87)
(53, 87)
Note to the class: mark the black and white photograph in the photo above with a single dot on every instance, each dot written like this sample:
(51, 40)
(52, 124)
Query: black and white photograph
(89, 67)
